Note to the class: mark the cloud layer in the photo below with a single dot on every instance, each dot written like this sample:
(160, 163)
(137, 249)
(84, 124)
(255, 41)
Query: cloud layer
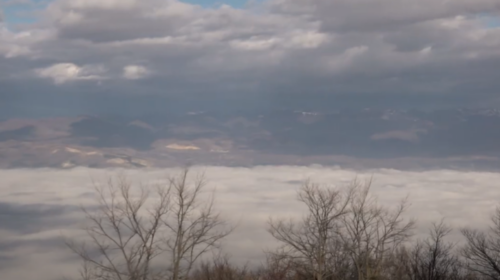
(277, 50)
(40, 205)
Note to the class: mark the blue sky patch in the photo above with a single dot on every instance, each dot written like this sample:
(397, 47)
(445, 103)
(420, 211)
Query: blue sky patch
(491, 21)
(22, 11)
(17, 14)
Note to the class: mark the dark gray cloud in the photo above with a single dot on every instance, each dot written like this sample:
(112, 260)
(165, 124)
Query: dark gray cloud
(283, 52)
(383, 15)
(32, 218)
(17, 134)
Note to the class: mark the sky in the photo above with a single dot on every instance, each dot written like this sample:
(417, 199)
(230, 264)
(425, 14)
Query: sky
(21, 11)
(70, 57)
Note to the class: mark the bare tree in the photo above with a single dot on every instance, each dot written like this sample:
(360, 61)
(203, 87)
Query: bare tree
(278, 266)
(122, 240)
(397, 264)
(131, 238)
(308, 244)
(434, 258)
(482, 249)
(220, 268)
(371, 232)
(195, 228)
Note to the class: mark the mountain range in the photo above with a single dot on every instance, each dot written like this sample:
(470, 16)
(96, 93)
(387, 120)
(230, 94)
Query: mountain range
(369, 138)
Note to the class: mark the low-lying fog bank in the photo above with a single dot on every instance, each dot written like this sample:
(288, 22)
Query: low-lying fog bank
(38, 206)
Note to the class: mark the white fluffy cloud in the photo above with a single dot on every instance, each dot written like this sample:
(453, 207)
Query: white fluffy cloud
(62, 73)
(44, 203)
(134, 72)
(19, 44)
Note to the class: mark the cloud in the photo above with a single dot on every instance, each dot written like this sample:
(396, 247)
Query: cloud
(100, 4)
(280, 51)
(32, 218)
(14, 45)
(66, 72)
(411, 135)
(43, 204)
(368, 15)
(134, 72)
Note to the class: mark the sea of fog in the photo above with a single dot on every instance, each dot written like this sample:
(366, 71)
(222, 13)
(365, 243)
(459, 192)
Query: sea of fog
(38, 207)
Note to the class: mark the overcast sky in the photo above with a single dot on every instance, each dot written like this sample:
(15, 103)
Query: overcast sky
(65, 57)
